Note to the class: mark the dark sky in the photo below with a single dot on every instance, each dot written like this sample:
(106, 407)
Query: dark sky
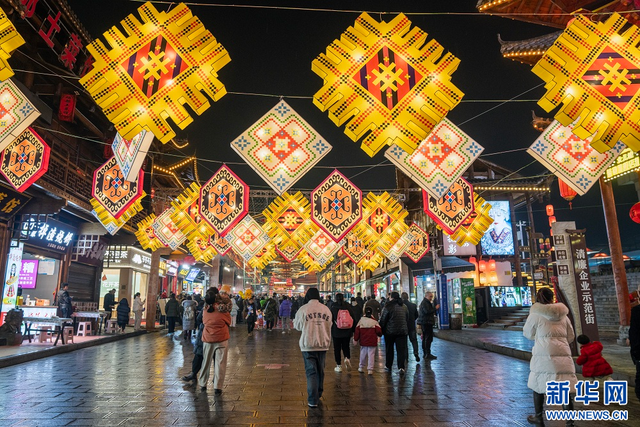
(271, 53)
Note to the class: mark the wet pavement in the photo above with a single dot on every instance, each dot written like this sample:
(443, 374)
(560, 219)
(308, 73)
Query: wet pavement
(136, 382)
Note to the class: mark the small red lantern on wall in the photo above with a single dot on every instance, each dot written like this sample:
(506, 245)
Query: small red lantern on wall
(549, 210)
(552, 219)
(482, 265)
(492, 265)
(634, 213)
(566, 192)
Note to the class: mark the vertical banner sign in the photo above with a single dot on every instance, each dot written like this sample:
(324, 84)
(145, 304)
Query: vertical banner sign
(10, 289)
(468, 294)
(583, 284)
(67, 110)
(442, 299)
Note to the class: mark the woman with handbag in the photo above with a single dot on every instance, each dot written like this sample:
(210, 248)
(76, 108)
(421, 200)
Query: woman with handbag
(188, 317)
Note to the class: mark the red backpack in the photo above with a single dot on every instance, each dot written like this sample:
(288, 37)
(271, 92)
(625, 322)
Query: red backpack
(344, 320)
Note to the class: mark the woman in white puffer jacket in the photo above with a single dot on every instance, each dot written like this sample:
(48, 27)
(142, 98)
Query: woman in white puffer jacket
(551, 359)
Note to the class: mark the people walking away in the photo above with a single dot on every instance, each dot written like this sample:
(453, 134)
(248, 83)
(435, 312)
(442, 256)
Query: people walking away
(550, 328)
(188, 317)
(285, 314)
(109, 303)
(234, 312)
(357, 311)
(196, 363)
(342, 327)
(413, 315)
(314, 321)
(394, 321)
(123, 311)
(215, 339)
(138, 308)
(359, 300)
(591, 357)
(328, 302)
(270, 313)
(426, 320)
(367, 332)
(634, 336)
(375, 306)
(64, 301)
(171, 308)
(251, 314)
(295, 305)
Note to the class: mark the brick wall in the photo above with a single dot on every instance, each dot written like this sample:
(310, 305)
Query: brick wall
(606, 303)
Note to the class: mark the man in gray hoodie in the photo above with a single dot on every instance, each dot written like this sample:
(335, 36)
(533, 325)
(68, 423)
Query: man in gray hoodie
(313, 319)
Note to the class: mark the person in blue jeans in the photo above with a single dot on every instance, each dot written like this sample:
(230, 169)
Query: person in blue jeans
(313, 319)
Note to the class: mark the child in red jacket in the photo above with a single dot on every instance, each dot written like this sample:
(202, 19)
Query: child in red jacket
(367, 332)
(591, 357)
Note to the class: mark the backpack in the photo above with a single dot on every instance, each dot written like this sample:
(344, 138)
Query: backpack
(344, 320)
(188, 313)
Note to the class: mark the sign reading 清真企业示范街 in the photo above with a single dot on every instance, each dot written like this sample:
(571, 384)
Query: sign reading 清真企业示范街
(584, 291)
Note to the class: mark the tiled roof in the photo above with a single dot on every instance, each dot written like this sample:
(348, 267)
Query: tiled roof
(528, 51)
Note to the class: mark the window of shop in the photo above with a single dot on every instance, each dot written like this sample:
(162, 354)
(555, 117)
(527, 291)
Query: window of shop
(139, 281)
(46, 280)
(110, 280)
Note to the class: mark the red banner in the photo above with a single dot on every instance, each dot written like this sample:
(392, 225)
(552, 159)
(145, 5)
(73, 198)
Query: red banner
(67, 110)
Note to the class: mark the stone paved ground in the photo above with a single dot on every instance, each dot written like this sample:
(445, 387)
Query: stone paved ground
(136, 382)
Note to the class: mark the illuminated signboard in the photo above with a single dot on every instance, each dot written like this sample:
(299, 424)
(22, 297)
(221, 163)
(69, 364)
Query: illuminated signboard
(49, 234)
(183, 272)
(192, 275)
(498, 239)
(627, 162)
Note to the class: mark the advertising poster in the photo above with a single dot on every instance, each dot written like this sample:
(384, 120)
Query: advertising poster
(468, 302)
(28, 274)
(498, 240)
(10, 289)
(443, 312)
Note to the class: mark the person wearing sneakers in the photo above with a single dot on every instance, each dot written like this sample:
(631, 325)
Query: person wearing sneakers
(285, 314)
(394, 321)
(313, 319)
(342, 329)
(367, 332)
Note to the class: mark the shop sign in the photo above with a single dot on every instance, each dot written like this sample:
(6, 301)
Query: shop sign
(10, 288)
(183, 272)
(11, 202)
(628, 161)
(192, 275)
(28, 274)
(451, 247)
(468, 294)
(49, 234)
(50, 22)
(128, 257)
(95, 254)
(172, 270)
(162, 268)
(584, 290)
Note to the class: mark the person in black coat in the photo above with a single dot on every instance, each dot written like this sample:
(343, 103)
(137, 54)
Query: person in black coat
(64, 301)
(341, 337)
(413, 315)
(123, 311)
(394, 321)
(357, 310)
(109, 303)
(634, 336)
(426, 320)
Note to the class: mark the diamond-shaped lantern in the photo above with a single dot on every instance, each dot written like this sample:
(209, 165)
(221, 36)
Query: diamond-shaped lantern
(114, 194)
(146, 234)
(281, 147)
(474, 227)
(321, 247)
(166, 231)
(110, 224)
(224, 200)
(439, 160)
(355, 247)
(336, 205)
(382, 221)
(149, 72)
(10, 40)
(201, 249)
(386, 83)
(247, 238)
(130, 153)
(453, 208)
(288, 223)
(398, 248)
(16, 112)
(186, 215)
(591, 69)
(371, 261)
(220, 244)
(25, 160)
(309, 263)
(264, 256)
(419, 244)
(570, 158)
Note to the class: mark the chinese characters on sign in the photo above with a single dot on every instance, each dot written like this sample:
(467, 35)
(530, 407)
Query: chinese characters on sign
(615, 392)
(583, 284)
(11, 202)
(51, 234)
(28, 274)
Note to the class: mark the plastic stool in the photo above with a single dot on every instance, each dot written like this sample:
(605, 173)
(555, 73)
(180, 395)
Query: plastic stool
(45, 334)
(84, 329)
(111, 326)
(67, 333)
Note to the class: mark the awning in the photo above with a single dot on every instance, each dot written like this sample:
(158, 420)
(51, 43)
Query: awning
(450, 264)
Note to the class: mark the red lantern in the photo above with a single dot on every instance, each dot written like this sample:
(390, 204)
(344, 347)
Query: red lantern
(482, 265)
(552, 219)
(472, 260)
(549, 210)
(634, 213)
(566, 192)
(492, 265)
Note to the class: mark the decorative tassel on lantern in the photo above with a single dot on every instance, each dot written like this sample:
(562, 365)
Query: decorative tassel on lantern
(567, 192)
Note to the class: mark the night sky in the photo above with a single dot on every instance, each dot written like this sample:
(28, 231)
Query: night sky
(271, 53)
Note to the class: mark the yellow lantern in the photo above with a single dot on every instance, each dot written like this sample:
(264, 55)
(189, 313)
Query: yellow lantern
(147, 236)
(10, 40)
(472, 230)
(382, 221)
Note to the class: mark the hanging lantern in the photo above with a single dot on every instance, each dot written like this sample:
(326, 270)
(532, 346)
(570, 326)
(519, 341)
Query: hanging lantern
(25, 160)
(336, 205)
(566, 192)
(247, 238)
(382, 221)
(224, 200)
(552, 220)
(452, 209)
(634, 213)
(492, 277)
(419, 244)
(483, 279)
(10, 40)
(549, 210)
(491, 265)
(355, 247)
(482, 265)
(321, 247)
(17, 111)
(473, 260)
